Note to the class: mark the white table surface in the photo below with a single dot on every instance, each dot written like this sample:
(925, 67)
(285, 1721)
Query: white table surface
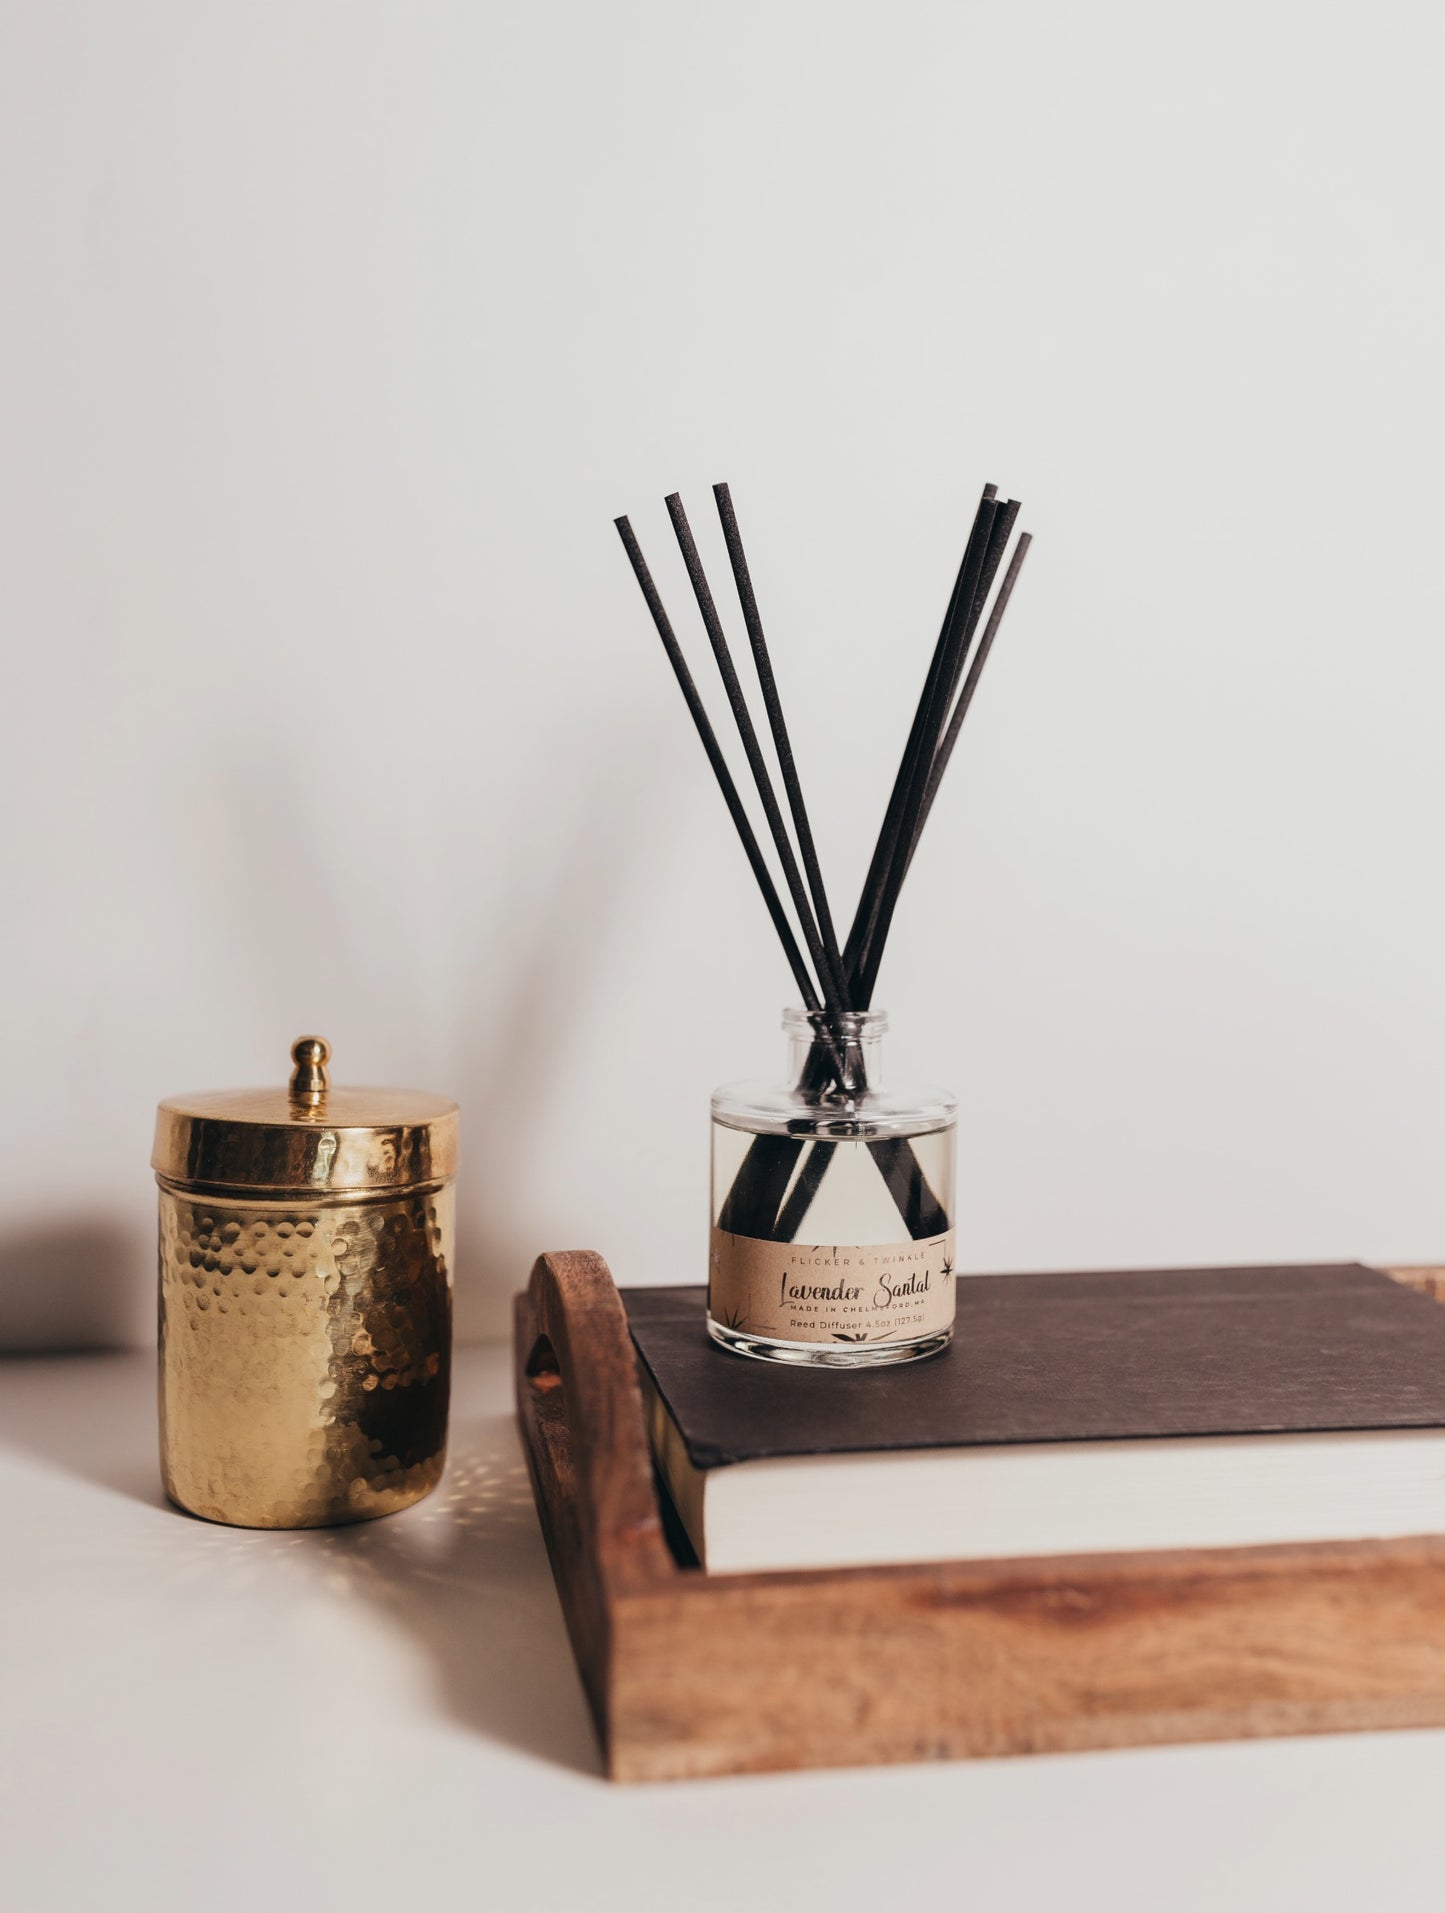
(199, 1718)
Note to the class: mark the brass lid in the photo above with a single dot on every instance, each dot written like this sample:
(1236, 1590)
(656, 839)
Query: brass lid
(306, 1138)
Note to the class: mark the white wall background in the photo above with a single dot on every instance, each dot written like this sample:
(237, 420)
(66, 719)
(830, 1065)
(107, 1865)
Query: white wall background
(332, 336)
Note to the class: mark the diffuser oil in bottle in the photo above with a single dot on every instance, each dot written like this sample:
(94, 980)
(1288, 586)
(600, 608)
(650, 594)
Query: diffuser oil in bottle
(832, 1207)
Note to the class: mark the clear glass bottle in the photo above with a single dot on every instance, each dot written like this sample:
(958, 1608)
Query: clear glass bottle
(832, 1206)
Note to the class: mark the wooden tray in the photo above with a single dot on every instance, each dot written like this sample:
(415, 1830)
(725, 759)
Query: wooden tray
(689, 1673)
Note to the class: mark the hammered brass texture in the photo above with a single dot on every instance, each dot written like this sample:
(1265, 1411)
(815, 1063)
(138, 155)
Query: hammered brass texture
(305, 1355)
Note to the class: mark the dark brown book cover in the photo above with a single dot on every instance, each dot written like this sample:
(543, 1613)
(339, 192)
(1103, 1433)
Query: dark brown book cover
(1076, 1357)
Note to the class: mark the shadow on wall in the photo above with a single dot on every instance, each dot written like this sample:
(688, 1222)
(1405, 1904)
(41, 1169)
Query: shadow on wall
(516, 1054)
(68, 1286)
(552, 905)
(84, 1284)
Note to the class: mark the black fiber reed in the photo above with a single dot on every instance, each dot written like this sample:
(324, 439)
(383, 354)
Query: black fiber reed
(757, 763)
(782, 744)
(970, 684)
(719, 765)
(998, 538)
(948, 660)
(888, 832)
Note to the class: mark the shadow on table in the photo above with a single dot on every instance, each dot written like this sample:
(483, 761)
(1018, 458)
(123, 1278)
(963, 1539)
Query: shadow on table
(104, 1432)
(465, 1576)
(67, 1295)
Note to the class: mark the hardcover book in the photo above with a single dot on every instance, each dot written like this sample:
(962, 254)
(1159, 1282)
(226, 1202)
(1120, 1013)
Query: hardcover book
(1073, 1413)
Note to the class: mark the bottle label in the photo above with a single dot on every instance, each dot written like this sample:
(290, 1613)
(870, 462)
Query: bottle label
(799, 1292)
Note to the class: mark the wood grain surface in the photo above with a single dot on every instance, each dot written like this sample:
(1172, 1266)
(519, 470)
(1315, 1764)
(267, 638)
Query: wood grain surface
(693, 1674)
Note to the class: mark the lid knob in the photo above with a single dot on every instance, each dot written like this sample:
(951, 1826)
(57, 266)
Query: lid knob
(310, 1054)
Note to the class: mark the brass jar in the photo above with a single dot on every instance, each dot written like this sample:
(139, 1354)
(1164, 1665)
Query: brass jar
(306, 1243)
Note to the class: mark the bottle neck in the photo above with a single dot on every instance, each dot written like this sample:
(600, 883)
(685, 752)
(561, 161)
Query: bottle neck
(821, 1047)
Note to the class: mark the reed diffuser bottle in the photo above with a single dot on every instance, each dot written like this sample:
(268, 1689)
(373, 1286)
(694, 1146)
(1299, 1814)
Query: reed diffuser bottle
(832, 1196)
(832, 1206)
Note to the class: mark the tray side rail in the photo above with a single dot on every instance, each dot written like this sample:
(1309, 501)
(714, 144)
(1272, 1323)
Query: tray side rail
(583, 1432)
